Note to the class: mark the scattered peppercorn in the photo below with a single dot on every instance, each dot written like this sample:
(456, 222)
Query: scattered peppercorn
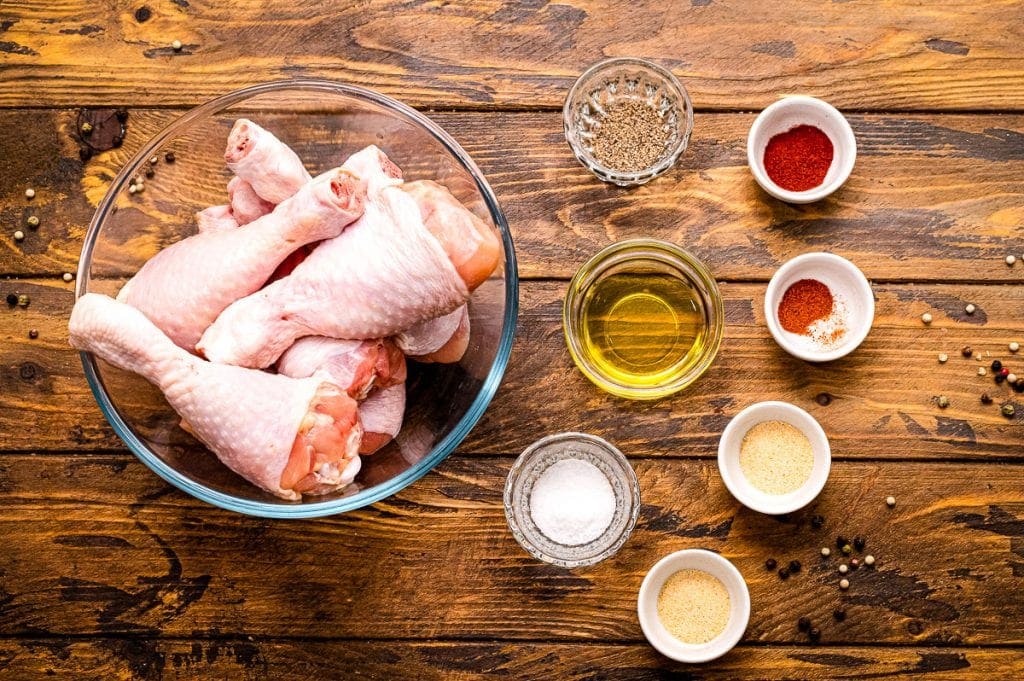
(117, 141)
(859, 543)
(1011, 378)
(826, 551)
(844, 584)
(979, 355)
(143, 14)
(803, 624)
(986, 398)
(841, 542)
(847, 549)
(869, 559)
(1004, 372)
(176, 46)
(23, 300)
(153, 160)
(12, 299)
(890, 501)
(68, 276)
(854, 563)
(150, 173)
(824, 399)
(844, 568)
(926, 318)
(943, 401)
(770, 564)
(1010, 260)
(30, 193)
(1018, 385)
(999, 378)
(839, 614)
(966, 351)
(817, 521)
(1014, 346)
(794, 566)
(1007, 410)
(814, 634)
(783, 573)
(86, 128)
(169, 157)
(981, 371)
(122, 115)
(32, 221)
(32, 333)
(996, 365)
(19, 235)
(970, 308)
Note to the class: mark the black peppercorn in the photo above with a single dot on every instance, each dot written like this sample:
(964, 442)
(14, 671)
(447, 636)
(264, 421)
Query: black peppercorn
(1018, 385)
(770, 564)
(859, 543)
(150, 173)
(122, 115)
(986, 398)
(1000, 378)
(12, 299)
(841, 542)
(32, 333)
(839, 614)
(783, 573)
(817, 522)
(966, 351)
(117, 141)
(854, 563)
(794, 566)
(803, 624)
(814, 634)
(996, 365)
(169, 157)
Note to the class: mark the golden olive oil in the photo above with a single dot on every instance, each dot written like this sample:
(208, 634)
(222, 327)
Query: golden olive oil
(643, 329)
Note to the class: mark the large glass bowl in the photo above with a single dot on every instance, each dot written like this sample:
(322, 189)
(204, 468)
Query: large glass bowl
(324, 122)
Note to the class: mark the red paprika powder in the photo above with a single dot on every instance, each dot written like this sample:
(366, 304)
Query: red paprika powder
(798, 159)
(804, 303)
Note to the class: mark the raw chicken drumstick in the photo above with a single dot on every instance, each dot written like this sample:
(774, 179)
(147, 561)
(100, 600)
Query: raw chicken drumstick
(184, 287)
(289, 436)
(381, 415)
(352, 365)
(384, 274)
(246, 205)
(442, 339)
(265, 163)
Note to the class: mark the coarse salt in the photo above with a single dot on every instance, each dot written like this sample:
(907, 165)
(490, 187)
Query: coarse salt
(572, 502)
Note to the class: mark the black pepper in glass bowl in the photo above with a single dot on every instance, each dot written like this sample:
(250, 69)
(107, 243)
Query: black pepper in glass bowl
(627, 120)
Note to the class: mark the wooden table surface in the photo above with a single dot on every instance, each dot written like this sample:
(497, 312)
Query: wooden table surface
(108, 572)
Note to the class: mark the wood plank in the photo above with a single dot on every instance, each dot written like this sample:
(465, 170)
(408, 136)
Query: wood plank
(183, 659)
(932, 197)
(881, 399)
(891, 55)
(98, 545)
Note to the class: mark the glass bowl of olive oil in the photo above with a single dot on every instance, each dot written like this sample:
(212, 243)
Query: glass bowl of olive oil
(643, 319)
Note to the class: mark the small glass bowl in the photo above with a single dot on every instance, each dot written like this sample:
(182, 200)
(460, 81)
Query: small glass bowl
(641, 257)
(615, 80)
(540, 456)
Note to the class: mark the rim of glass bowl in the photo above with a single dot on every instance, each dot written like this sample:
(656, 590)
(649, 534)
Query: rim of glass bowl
(443, 448)
(613, 175)
(643, 249)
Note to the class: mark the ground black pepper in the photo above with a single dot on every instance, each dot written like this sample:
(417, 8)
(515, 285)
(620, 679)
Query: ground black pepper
(632, 136)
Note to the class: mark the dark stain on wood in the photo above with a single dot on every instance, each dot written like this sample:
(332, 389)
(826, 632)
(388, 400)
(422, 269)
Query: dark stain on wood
(905, 594)
(541, 581)
(958, 430)
(947, 46)
(5, 24)
(932, 663)
(999, 521)
(91, 541)
(468, 657)
(11, 47)
(88, 29)
(997, 145)
(776, 48)
(657, 519)
(245, 654)
(700, 3)
(140, 655)
(913, 427)
(838, 660)
(965, 573)
(168, 51)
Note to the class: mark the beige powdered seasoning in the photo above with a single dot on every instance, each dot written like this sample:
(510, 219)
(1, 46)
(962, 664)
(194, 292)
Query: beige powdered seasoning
(694, 606)
(776, 457)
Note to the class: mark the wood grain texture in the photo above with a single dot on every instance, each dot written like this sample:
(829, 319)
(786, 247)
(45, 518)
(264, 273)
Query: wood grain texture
(881, 399)
(151, 659)
(931, 197)
(732, 55)
(98, 545)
